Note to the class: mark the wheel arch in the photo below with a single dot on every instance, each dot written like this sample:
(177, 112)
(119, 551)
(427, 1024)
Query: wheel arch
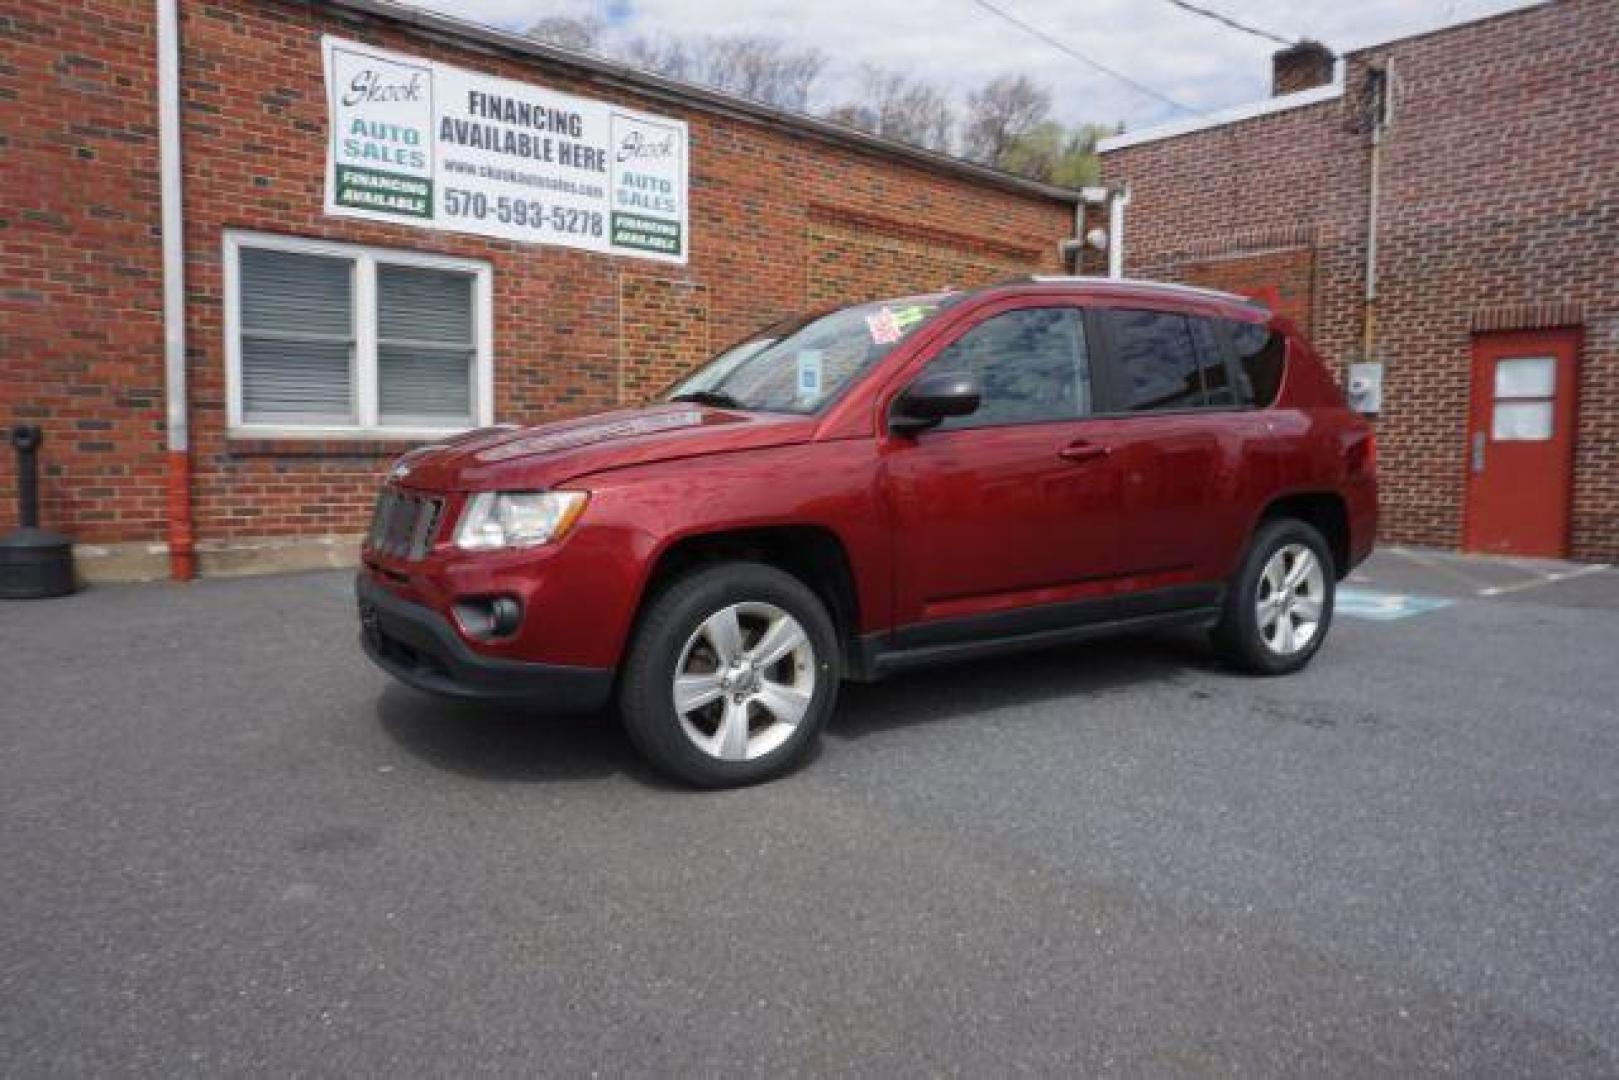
(814, 554)
(1326, 511)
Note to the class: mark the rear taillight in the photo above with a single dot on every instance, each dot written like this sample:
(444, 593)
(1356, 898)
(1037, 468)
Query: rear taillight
(1362, 457)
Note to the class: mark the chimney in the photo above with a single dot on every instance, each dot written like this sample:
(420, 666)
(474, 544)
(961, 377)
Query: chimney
(1301, 67)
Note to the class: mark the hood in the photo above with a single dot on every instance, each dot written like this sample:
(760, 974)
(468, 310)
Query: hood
(550, 454)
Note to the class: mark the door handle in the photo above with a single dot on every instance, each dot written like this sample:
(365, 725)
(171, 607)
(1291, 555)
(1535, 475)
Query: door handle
(1084, 451)
(1478, 452)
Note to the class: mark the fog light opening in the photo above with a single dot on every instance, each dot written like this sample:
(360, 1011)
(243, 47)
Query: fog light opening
(489, 617)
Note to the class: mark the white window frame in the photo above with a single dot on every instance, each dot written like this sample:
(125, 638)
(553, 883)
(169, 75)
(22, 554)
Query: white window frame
(365, 259)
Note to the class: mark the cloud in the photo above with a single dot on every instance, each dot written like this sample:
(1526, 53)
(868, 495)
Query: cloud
(958, 45)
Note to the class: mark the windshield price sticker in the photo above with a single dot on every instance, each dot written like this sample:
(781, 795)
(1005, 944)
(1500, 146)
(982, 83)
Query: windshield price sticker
(885, 328)
(421, 143)
(887, 325)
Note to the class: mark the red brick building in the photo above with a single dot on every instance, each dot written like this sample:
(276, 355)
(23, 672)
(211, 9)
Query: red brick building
(1447, 211)
(780, 211)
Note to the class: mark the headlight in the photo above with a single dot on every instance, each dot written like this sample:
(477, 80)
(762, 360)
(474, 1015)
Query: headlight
(517, 519)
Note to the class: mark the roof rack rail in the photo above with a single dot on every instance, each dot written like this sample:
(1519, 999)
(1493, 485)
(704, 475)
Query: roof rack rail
(1170, 287)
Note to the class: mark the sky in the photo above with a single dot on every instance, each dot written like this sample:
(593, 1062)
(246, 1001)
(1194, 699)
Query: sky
(958, 45)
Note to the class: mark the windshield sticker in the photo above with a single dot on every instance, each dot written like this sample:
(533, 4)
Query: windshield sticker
(888, 325)
(885, 328)
(907, 317)
(809, 374)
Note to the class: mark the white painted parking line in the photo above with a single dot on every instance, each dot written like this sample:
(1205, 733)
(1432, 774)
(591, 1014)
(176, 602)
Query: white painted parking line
(1384, 607)
(1545, 579)
(1446, 565)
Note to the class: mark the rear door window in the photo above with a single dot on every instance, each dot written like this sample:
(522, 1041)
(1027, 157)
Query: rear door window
(1218, 389)
(1156, 360)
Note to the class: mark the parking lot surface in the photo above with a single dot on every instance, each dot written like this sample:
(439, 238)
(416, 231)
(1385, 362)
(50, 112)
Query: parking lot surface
(230, 845)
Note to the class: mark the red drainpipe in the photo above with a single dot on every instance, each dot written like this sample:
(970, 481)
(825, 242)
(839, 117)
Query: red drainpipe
(182, 554)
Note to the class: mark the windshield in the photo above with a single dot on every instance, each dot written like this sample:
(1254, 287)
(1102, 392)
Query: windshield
(800, 364)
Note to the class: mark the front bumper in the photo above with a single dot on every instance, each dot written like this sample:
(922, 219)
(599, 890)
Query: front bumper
(417, 646)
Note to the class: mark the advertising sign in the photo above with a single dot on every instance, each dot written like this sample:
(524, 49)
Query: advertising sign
(420, 143)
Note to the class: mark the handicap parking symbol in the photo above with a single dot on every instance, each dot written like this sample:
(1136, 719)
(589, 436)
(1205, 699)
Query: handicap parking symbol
(1382, 606)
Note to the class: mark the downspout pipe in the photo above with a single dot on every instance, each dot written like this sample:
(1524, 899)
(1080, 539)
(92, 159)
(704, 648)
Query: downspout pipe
(1073, 249)
(1381, 98)
(1115, 230)
(182, 558)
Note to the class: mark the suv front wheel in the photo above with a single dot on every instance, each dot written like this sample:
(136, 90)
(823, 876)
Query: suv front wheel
(731, 675)
(1278, 605)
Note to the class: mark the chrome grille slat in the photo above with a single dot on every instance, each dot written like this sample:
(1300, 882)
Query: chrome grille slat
(403, 524)
(422, 534)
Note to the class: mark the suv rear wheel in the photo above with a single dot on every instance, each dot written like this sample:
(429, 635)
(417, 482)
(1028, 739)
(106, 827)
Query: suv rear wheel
(1278, 606)
(731, 676)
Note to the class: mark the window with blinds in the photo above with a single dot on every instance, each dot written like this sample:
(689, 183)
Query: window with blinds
(424, 345)
(297, 338)
(333, 338)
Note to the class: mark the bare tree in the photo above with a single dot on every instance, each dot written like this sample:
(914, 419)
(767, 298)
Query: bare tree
(900, 108)
(861, 117)
(665, 56)
(579, 33)
(763, 68)
(1004, 110)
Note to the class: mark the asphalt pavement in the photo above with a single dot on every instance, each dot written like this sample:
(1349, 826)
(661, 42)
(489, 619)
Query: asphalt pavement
(230, 846)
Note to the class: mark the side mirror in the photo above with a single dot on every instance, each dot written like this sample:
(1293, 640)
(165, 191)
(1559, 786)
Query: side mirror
(932, 397)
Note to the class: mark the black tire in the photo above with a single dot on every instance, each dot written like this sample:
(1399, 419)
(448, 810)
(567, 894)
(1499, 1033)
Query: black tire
(1238, 637)
(646, 688)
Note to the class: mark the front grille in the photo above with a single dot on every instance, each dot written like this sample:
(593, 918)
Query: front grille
(403, 524)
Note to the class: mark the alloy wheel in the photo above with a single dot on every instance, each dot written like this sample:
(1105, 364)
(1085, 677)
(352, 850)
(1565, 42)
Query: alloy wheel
(1291, 600)
(744, 681)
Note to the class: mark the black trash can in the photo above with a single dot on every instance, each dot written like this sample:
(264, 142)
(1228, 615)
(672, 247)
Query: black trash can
(34, 563)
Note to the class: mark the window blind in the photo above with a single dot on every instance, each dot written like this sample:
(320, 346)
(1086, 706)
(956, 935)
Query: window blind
(297, 318)
(425, 345)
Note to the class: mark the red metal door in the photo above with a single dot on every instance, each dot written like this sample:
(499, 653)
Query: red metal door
(1520, 442)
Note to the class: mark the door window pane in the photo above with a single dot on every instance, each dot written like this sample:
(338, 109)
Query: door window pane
(297, 337)
(425, 345)
(1529, 377)
(1032, 364)
(1260, 357)
(1157, 360)
(1217, 388)
(1521, 421)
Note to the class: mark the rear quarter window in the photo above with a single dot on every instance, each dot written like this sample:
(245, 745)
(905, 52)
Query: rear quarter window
(1261, 358)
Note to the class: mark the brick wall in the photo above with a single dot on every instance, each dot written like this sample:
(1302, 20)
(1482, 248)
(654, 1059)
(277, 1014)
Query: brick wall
(1497, 207)
(81, 333)
(1284, 278)
(778, 220)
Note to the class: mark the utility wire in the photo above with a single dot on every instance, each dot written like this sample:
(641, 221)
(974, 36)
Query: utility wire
(1082, 58)
(1229, 21)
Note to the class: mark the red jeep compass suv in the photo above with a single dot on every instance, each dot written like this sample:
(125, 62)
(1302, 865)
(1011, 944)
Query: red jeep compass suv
(870, 489)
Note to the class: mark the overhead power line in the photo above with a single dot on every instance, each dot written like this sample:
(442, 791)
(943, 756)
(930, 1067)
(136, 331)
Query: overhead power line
(1229, 21)
(1088, 61)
